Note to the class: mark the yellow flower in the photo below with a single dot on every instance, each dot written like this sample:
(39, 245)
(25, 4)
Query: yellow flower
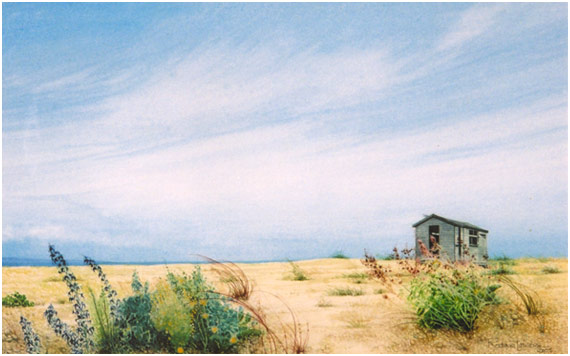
(203, 302)
(233, 340)
(214, 329)
(192, 304)
(205, 315)
(180, 350)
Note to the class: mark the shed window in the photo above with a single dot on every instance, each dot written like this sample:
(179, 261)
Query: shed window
(473, 236)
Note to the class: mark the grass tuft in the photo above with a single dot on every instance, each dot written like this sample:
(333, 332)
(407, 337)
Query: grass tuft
(529, 298)
(323, 303)
(357, 277)
(240, 287)
(501, 270)
(357, 321)
(342, 292)
(297, 273)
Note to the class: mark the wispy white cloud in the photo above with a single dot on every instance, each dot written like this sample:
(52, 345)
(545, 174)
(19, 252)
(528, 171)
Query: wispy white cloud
(472, 23)
(257, 140)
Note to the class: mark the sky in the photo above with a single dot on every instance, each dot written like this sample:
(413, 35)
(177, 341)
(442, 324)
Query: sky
(155, 131)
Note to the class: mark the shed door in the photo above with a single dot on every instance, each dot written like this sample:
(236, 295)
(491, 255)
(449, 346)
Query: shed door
(433, 231)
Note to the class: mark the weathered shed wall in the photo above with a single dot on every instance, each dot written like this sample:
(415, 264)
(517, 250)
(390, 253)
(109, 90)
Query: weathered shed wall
(449, 236)
(446, 237)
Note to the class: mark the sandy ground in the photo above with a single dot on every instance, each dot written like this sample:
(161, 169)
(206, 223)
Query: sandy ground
(370, 323)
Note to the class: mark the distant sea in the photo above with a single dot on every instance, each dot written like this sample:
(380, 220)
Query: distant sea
(38, 262)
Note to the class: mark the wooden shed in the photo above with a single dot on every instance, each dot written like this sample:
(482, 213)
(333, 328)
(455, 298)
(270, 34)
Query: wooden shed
(458, 240)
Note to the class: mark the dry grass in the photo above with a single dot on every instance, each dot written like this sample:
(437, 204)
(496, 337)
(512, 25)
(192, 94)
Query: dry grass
(371, 323)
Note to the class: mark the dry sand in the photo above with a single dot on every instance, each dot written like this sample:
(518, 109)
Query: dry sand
(370, 323)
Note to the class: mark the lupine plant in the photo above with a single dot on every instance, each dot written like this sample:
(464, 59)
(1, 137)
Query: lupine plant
(63, 330)
(76, 298)
(110, 293)
(32, 340)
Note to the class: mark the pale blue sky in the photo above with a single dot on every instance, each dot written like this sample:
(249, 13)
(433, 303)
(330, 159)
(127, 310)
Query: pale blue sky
(267, 131)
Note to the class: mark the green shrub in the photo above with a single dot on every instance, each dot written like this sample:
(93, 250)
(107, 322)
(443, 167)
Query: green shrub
(137, 329)
(550, 269)
(341, 292)
(339, 254)
(386, 257)
(450, 300)
(16, 300)
(217, 326)
(172, 317)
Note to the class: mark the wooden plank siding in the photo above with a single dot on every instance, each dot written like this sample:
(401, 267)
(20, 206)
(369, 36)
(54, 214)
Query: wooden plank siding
(449, 235)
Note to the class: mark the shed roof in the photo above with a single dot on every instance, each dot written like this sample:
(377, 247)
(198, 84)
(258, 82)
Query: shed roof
(451, 222)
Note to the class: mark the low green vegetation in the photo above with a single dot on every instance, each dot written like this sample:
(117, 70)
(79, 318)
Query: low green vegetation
(504, 259)
(501, 270)
(341, 292)
(339, 254)
(357, 277)
(451, 300)
(550, 269)
(16, 300)
(297, 273)
(182, 314)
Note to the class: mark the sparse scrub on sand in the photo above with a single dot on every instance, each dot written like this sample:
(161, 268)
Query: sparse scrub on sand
(550, 269)
(356, 321)
(393, 326)
(16, 300)
(504, 259)
(501, 270)
(356, 275)
(297, 274)
(347, 291)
